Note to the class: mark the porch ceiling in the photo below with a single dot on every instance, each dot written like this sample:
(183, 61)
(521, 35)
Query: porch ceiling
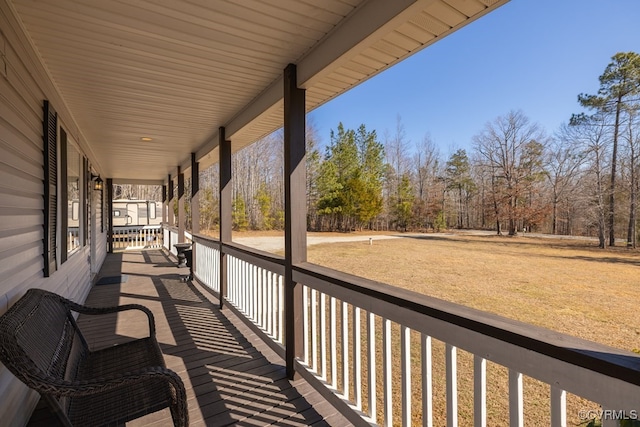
(176, 71)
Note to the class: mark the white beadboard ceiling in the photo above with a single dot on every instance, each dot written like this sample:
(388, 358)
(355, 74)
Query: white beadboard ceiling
(176, 71)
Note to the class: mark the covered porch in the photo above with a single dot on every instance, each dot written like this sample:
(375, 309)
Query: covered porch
(232, 377)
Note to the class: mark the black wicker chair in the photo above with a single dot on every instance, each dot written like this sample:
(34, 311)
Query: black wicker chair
(41, 344)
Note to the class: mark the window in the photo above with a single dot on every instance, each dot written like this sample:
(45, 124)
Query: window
(73, 195)
(74, 168)
(66, 208)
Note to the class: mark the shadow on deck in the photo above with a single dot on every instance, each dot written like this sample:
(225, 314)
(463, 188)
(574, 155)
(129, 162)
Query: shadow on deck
(231, 376)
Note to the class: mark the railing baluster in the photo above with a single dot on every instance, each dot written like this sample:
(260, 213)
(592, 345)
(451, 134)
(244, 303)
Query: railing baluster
(357, 359)
(281, 308)
(427, 381)
(305, 324)
(516, 407)
(452, 386)
(248, 292)
(230, 273)
(255, 295)
(266, 307)
(323, 336)
(479, 391)
(314, 331)
(332, 343)
(558, 407)
(405, 355)
(251, 292)
(345, 350)
(386, 372)
(260, 302)
(371, 365)
(269, 302)
(274, 303)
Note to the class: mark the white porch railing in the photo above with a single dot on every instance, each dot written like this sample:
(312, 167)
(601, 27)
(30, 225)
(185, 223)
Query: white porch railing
(256, 289)
(207, 263)
(136, 237)
(372, 347)
(170, 238)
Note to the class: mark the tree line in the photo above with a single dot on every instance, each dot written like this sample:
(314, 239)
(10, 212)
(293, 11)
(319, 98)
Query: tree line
(582, 179)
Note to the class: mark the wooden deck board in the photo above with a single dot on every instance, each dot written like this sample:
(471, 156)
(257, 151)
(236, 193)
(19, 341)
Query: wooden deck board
(231, 376)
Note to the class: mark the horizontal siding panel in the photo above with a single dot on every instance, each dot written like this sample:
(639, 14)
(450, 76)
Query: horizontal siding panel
(17, 125)
(78, 276)
(20, 151)
(10, 198)
(16, 397)
(25, 158)
(14, 237)
(13, 91)
(24, 274)
(15, 178)
(19, 218)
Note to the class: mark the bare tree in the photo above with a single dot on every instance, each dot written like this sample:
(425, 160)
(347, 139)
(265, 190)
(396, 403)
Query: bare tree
(512, 147)
(590, 134)
(425, 171)
(563, 167)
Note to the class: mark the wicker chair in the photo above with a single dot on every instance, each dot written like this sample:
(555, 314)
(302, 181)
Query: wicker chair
(41, 344)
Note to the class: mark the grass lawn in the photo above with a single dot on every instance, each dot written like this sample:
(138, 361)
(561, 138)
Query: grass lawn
(566, 285)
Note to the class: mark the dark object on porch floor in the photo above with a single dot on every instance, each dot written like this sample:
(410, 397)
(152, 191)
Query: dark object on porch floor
(41, 344)
(113, 280)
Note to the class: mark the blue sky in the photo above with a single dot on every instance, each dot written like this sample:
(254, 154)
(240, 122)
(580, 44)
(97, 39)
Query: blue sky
(532, 55)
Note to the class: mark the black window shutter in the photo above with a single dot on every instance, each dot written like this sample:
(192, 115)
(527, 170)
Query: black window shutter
(64, 197)
(50, 132)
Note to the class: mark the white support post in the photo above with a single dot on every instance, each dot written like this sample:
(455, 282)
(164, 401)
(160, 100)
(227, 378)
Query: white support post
(314, 330)
(281, 308)
(405, 355)
(558, 407)
(427, 382)
(345, 350)
(332, 344)
(305, 325)
(357, 359)
(516, 406)
(386, 373)
(371, 360)
(479, 391)
(323, 336)
(452, 385)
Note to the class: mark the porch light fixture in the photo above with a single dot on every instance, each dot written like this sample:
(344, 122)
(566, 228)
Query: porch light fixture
(97, 182)
(146, 139)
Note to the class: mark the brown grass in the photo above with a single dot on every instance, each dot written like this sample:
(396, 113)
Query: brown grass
(565, 285)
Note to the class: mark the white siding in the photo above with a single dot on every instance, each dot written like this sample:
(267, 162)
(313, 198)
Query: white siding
(24, 85)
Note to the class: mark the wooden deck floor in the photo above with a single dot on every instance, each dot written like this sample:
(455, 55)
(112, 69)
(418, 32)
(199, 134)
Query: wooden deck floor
(231, 376)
